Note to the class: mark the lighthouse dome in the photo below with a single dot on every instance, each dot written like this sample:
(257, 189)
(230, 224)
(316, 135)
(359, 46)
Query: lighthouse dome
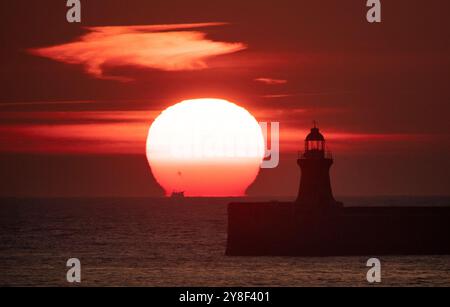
(315, 143)
(315, 135)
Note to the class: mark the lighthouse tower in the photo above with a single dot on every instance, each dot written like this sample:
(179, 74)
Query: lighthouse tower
(315, 188)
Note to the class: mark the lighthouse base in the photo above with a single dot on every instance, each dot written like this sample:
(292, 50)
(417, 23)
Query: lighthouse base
(285, 229)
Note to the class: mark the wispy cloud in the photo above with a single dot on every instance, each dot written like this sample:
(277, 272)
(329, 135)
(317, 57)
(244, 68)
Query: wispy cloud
(277, 95)
(173, 47)
(270, 81)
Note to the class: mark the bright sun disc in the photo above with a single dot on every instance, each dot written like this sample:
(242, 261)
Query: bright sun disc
(205, 147)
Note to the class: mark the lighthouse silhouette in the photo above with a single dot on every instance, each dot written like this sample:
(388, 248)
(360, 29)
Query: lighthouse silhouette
(315, 224)
(315, 192)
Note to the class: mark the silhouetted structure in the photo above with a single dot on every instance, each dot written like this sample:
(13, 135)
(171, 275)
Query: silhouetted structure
(317, 225)
(315, 162)
(177, 195)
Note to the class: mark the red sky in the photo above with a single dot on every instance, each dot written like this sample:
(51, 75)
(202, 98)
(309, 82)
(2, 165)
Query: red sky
(77, 100)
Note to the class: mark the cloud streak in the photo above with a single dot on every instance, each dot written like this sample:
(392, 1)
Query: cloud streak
(162, 47)
(271, 81)
(125, 132)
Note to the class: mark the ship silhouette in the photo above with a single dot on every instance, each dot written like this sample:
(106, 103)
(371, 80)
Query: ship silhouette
(315, 224)
(177, 195)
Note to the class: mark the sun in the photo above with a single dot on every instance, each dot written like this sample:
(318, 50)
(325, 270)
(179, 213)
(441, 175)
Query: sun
(205, 147)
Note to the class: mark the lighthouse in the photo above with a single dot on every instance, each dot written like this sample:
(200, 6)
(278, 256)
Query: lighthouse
(315, 161)
(315, 224)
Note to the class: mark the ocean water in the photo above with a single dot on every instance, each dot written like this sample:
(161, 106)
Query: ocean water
(163, 242)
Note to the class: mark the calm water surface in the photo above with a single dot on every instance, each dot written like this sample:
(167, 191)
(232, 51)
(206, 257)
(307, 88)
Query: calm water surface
(156, 242)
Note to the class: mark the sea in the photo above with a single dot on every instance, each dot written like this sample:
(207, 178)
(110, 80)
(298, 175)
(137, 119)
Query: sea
(176, 242)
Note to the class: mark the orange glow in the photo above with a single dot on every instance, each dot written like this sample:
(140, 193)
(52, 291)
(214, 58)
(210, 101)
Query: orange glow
(205, 147)
(152, 46)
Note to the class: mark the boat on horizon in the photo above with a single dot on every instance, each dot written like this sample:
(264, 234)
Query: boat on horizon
(178, 195)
